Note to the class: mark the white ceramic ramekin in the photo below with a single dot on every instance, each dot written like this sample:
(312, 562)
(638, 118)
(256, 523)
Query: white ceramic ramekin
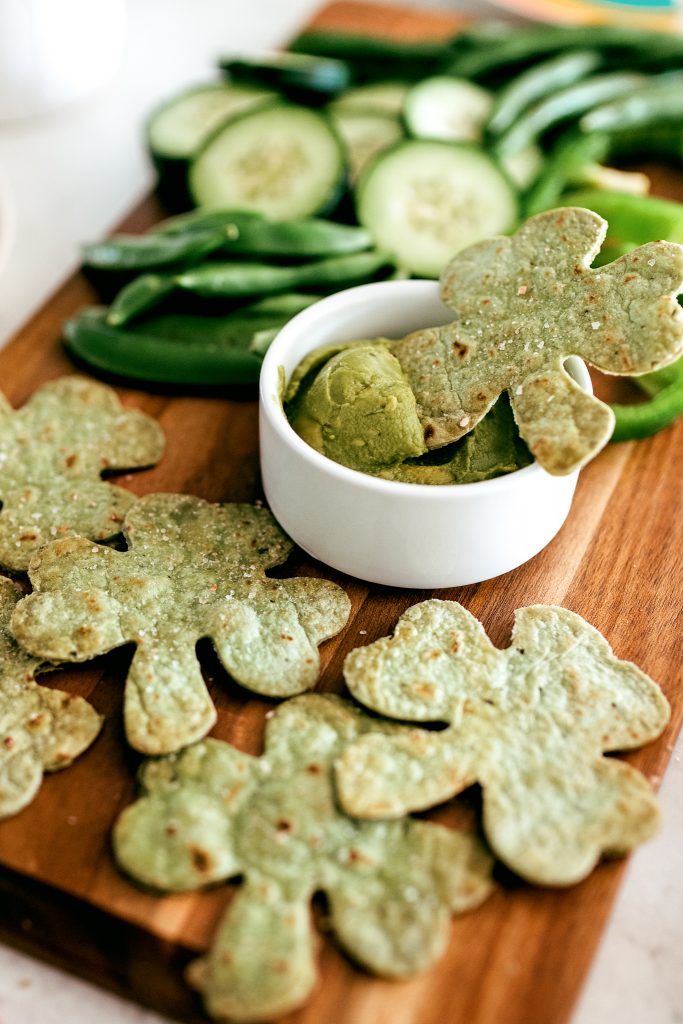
(402, 535)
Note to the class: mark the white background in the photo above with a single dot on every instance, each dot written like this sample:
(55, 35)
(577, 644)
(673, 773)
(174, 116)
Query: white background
(71, 176)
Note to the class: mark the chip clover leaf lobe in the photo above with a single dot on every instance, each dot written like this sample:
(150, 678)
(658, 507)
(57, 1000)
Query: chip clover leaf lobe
(192, 570)
(525, 304)
(210, 813)
(529, 723)
(53, 452)
(41, 729)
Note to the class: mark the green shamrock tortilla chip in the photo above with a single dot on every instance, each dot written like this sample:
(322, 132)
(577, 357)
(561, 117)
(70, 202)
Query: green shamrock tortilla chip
(493, 448)
(53, 452)
(211, 813)
(524, 304)
(41, 730)
(192, 570)
(529, 723)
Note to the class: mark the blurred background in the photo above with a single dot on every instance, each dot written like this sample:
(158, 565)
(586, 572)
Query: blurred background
(69, 174)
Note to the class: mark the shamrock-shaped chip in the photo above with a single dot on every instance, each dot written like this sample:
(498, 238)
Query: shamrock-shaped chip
(526, 303)
(529, 723)
(40, 729)
(211, 813)
(192, 570)
(53, 452)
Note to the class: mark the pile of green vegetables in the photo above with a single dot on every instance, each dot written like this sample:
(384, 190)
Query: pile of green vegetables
(413, 150)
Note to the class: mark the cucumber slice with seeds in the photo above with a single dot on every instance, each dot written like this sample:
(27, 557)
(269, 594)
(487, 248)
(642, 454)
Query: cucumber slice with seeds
(179, 127)
(524, 166)
(364, 133)
(382, 97)
(177, 130)
(423, 201)
(281, 160)
(447, 108)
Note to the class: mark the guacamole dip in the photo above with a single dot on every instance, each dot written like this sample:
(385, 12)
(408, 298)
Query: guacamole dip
(353, 403)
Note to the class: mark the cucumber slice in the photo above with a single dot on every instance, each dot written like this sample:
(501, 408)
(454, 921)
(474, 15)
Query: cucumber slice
(382, 97)
(445, 108)
(364, 134)
(423, 201)
(296, 74)
(523, 167)
(177, 130)
(180, 126)
(281, 160)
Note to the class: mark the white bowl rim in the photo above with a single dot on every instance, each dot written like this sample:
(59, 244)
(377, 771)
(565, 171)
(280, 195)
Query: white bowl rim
(269, 383)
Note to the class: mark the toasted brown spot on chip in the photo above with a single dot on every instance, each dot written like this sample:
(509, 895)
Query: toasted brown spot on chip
(200, 859)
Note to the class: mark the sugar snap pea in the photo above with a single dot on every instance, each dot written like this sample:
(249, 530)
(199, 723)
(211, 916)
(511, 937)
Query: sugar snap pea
(483, 54)
(172, 349)
(571, 152)
(663, 141)
(253, 234)
(288, 303)
(564, 104)
(659, 100)
(232, 329)
(372, 58)
(665, 387)
(142, 294)
(142, 252)
(301, 76)
(238, 280)
(537, 82)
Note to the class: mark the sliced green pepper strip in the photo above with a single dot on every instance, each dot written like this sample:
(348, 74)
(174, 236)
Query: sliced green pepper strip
(643, 420)
(537, 82)
(142, 252)
(660, 380)
(237, 280)
(164, 360)
(251, 233)
(633, 220)
(561, 105)
(138, 297)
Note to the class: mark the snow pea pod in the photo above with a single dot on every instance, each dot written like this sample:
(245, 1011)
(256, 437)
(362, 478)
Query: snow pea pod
(485, 54)
(175, 349)
(141, 295)
(238, 280)
(256, 235)
(537, 82)
(660, 100)
(564, 104)
(571, 153)
(301, 76)
(142, 252)
(372, 58)
(138, 297)
(663, 141)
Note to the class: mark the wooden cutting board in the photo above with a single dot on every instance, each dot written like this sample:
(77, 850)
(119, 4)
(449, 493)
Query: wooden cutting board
(522, 957)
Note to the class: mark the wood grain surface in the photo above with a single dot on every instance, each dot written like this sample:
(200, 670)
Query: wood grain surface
(521, 958)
